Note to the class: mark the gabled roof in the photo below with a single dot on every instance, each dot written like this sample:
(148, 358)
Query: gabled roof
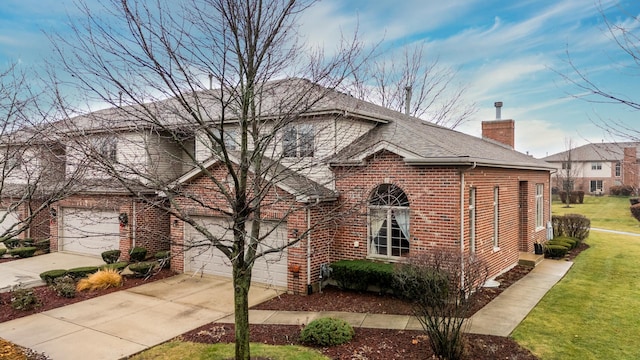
(422, 143)
(595, 152)
(301, 187)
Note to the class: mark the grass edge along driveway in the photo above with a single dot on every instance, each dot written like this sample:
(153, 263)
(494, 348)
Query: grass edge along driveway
(594, 312)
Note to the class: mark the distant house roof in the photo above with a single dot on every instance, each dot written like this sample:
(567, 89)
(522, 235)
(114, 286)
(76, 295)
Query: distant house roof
(595, 152)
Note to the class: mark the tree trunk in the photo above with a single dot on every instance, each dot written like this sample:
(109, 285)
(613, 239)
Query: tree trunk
(241, 284)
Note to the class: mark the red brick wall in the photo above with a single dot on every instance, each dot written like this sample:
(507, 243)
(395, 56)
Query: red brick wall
(434, 196)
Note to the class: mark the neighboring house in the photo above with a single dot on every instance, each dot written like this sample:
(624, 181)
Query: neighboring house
(410, 187)
(594, 168)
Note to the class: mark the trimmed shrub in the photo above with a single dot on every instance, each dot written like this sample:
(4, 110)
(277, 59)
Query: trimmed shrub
(555, 251)
(561, 243)
(635, 211)
(143, 268)
(633, 201)
(43, 245)
(111, 256)
(567, 240)
(163, 258)
(23, 252)
(626, 190)
(102, 279)
(580, 196)
(11, 243)
(50, 276)
(65, 286)
(23, 299)
(327, 332)
(3, 251)
(119, 266)
(360, 274)
(80, 272)
(138, 254)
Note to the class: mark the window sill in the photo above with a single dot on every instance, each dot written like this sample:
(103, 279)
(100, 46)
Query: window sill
(385, 258)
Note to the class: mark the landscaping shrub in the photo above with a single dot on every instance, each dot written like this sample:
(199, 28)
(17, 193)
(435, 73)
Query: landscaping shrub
(555, 251)
(327, 332)
(23, 252)
(80, 272)
(626, 190)
(163, 258)
(634, 201)
(580, 196)
(142, 268)
(567, 240)
(138, 254)
(360, 274)
(50, 276)
(119, 266)
(11, 243)
(3, 251)
(102, 279)
(65, 286)
(111, 256)
(412, 282)
(614, 190)
(635, 211)
(43, 245)
(561, 243)
(23, 299)
(571, 225)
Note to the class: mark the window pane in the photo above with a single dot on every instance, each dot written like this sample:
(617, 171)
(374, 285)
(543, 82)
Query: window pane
(306, 134)
(289, 142)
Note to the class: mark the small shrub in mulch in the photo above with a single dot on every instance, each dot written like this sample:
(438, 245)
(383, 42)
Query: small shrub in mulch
(111, 256)
(23, 252)
(102, 279)
(327, 332)
(143, 268)
(138, 254)
(65, 286)
(23, 299)
(50, 276)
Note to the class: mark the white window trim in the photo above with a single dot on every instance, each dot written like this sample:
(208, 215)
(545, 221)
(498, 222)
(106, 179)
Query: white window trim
(496, 219)
(539, 207)
(472, 219)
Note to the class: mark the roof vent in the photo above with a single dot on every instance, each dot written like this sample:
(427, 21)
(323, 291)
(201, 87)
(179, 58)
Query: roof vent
(498, 105)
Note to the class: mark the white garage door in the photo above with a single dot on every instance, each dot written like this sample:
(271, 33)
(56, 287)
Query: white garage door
(270, 269)
(7, 221)
(89, 231)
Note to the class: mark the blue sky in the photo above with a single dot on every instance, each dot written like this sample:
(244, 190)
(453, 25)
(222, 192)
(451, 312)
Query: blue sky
(508, 51)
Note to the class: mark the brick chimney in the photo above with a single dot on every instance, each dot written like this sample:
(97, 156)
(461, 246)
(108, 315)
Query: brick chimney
(502, 131)
(630, 167)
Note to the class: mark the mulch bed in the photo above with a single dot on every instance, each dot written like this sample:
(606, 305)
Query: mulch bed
(50, 300)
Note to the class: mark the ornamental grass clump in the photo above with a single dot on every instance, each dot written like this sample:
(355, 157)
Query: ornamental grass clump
(102, 279)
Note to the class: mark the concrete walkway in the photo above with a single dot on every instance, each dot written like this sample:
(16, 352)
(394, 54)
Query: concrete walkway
(500, 317)
(616, 232)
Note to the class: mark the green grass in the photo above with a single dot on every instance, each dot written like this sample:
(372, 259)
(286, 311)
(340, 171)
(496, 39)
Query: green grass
(178, 350)
(594, 312)
(605, 212)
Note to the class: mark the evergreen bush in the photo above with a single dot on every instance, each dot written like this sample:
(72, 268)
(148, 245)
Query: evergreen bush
(80, 272)
(65, 286)
(143, 268)
(50, 276)
(111, 256)
(327, 332)
(23, 252)
(360, 274)
(137, 254)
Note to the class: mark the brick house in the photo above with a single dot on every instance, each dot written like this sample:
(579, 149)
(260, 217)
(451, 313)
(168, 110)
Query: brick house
(594, 168)
(410, 187)
(355, 180)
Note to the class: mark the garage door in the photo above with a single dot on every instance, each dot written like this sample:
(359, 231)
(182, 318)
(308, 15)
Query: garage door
(89, 231)
(7, 221)
(270, 269)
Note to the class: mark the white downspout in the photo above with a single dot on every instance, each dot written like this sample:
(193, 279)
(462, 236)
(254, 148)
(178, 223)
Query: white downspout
(462, 212)
(308, 248)
(134, 225)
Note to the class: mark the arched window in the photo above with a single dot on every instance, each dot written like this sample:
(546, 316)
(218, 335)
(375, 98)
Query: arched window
(388, 222)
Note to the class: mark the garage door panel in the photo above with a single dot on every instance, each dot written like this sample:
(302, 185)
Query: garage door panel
(269, 269)
(8, 221)
(89, 232)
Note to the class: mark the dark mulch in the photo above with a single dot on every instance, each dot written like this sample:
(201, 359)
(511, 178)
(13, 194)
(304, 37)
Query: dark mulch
(50, 300)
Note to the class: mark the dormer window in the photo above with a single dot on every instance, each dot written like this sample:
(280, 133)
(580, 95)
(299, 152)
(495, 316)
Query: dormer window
(298, 141)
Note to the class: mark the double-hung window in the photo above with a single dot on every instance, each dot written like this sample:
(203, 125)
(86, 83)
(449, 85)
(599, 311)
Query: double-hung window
(388, 222)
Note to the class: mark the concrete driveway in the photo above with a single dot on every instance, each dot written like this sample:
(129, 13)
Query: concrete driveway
(27, 271)
(125, 322)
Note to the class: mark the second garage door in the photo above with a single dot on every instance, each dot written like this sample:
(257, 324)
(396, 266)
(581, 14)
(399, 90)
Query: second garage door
(270, 269)
(89, 231)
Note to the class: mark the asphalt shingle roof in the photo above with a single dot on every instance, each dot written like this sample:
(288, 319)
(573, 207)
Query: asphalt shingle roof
(595, 152)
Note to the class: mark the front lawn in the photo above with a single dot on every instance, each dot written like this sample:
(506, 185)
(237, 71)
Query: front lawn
(594, 312)
(605, 212)
(178, 350)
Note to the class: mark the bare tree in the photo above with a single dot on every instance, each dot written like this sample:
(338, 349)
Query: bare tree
(32, 173)
(567, 174)
(198, 79)
(626, 37)
(418, 86)
(441, 286)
